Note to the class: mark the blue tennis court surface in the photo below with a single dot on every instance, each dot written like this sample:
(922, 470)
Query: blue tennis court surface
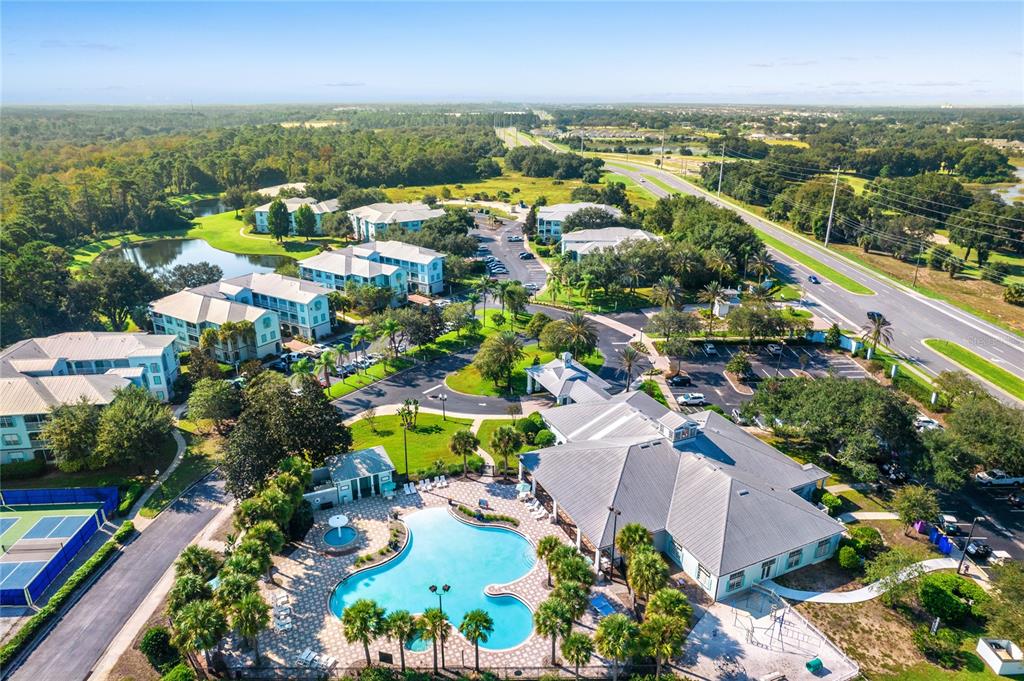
(7, 523)
(55, 527)
(18, 575)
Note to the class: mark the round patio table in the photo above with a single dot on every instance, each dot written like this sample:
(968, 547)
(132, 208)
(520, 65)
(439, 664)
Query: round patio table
(336, 521)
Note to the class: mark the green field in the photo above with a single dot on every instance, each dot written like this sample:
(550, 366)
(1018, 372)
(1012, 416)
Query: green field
(27, 516)
(468, 379)
(428, 441)
(838, 278)
(980, 366)
(487, 429)
(202, 456)
(597, 301)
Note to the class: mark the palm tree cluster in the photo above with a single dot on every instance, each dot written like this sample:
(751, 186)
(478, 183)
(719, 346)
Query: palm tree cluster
(200, 616)
(365, 621)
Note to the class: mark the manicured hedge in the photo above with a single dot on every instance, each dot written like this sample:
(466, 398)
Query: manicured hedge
(20, 470)
(38, 621)
(129, 497)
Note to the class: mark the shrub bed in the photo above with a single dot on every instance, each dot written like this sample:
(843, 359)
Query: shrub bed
(480, 516)
(37, 622)
(129, 497)
(21, 470)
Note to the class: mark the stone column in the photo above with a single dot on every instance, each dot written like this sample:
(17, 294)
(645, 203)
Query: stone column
(579, 538)
(520, 475)
(597, 560)
(554, 511)
(533, 486)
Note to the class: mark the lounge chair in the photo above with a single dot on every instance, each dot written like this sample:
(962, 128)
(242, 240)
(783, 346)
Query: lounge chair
(281, 599)
(533, 505)
(422, 487)
(540, 514)
(283, 626)
(523, 496)
(483, 504)
(328, 663)
(444, 481)
(305, 657)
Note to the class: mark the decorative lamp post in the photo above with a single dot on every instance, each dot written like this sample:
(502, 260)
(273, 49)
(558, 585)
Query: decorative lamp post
(615, 530)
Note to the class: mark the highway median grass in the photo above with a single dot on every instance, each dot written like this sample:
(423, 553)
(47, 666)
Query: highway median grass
(978, 365)
(836, 277)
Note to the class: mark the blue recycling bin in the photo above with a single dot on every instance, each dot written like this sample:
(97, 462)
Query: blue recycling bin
(933, 535)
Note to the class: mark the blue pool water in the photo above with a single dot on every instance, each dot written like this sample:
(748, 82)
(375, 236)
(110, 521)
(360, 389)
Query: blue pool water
(442, 550)
(340, 536)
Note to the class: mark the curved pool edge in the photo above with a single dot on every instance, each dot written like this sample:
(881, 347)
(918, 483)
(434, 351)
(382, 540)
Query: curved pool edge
(501, 589)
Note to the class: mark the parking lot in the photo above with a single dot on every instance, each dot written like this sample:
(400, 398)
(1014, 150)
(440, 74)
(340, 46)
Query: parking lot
(496, 243)
(706, 371)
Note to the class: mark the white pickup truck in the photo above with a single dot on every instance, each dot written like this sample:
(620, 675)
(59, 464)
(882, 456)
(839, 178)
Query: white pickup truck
(997, 478)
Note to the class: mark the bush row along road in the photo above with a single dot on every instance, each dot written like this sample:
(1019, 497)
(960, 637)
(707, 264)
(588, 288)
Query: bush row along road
(914, 317)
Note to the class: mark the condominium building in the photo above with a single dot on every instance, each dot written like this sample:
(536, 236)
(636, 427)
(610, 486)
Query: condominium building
(367, 221)
(41, 373)
(186, 314)
(335, 269)
(319, 208)
(550, 218)
(423, 267)
(583, 242)
(301, 306)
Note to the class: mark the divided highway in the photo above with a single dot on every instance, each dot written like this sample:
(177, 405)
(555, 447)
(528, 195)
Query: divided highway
(914, 317)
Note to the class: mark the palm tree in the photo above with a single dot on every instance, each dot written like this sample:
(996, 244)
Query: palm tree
(473, 298)
(197, 560)
(758, 295)
(200, 625)
(324, 363)
(484, 286)
(360, 335)
(509, 351)
(434, 623)
(671, 602)
(684, 262)
(573, 568)
(878, 329)
(499, 292)
(390, 328)
(577, 648)
(251, 615)
(515, 298)
(233, 587)
(463, 443)
(634, 270)
(586, 285)
(300, 369)
(762, 265)
(616, 639)
(713, 293)
(647, 573)
(546, 547)
(711, 319)
(629, 357)
(402, 627)
(663, 637)
(505, 441)
(632, 537)
(574, 595)
(580, 335)
(665, 293)
(476, 626)
(553, 619)
(719, 262)
(362, 622)
(554, 288)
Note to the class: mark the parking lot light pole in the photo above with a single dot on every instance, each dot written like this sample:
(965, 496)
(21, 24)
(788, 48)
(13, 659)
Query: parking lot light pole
(615, 529)
(963, 554)
(778, 364)
(444, 398)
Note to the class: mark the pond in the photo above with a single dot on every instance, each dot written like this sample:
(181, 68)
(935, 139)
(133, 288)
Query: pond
(205, 207)
(165, 254)
(1009, 194)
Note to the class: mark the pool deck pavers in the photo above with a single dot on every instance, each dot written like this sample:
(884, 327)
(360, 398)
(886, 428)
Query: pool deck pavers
(308, 575)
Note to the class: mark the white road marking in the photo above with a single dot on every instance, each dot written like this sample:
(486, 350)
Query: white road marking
(430, 390)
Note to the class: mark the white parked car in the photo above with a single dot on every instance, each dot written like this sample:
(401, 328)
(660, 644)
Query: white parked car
(996, 477)
(710, 349)
(691, 399)
(774, 349)
(922, 423)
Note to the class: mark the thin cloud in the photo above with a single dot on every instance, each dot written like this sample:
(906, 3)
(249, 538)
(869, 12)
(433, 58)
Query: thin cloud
(345, 83)
(79, 45)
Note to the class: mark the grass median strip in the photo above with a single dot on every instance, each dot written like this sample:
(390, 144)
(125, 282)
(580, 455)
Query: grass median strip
(998, 376)
(836, 277)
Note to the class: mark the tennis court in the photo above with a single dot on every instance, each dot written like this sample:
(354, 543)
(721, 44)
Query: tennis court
(37, 542)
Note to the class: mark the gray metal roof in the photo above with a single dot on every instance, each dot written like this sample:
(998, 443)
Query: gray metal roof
(25, 395)
(558, 375)
(723, 495)
(39, 354)
(359, 464)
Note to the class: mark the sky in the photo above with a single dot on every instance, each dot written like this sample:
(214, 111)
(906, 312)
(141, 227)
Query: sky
(845, 53)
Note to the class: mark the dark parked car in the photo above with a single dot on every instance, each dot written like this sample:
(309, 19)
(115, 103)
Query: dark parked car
(526, 255)
(680, 379)
(813, 279)
(278, 365)
(1015, 500)
(979, 550)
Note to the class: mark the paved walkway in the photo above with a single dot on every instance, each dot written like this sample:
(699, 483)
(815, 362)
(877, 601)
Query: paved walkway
(141, 522)
(858, 595)
(867, 515)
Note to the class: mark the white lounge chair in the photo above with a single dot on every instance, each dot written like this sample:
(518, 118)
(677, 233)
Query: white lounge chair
(540, 514)
(533, 505)
(305, 657)
(422, 487)
(438, 483)
(442, 482)
(281, 599)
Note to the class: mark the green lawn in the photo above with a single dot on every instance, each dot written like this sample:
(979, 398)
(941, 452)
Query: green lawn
(638, 196)
(487, 429)
(202, 456)
(654, 390)
(789, 293)
(529, 189)
(186, 199)
(977, 364)
(597, 301)
(664, 185)
(428, 441)
(468, 379)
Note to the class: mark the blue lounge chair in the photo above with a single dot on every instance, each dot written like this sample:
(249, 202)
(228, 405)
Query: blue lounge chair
(602, 605)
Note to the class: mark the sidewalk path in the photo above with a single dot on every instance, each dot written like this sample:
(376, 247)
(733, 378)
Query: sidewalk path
(867, 515)
(856, 596)
(142, 522)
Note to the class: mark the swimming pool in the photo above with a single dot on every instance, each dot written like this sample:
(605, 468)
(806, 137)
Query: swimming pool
(442, 550)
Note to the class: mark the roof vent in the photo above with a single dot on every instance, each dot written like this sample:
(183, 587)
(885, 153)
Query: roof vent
(743, 493)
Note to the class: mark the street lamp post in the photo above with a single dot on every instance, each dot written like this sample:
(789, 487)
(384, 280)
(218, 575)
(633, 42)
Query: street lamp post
(440, 591)
(615, 530)
(963, 554)
(444, 398)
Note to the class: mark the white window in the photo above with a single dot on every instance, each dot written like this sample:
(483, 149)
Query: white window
(12, 439)
(823, 547)
(703, 576)
(794, 559)
(735, 581)
(6, 422)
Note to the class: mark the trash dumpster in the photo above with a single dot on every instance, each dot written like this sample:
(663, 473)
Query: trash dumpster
(814, 666)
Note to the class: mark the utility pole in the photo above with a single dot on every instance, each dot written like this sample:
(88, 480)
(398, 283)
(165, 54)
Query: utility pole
(963, 555)
(663, 151)
(721, 169)
(917, 262)
(832, 208)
